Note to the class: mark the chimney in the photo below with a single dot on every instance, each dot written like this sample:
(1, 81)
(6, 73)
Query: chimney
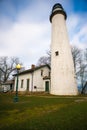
(32, 66)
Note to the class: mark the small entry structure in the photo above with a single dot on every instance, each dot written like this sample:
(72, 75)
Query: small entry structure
(47, 86)
(47, 83)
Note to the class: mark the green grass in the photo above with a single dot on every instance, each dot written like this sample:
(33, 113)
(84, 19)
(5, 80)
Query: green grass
(43, 112)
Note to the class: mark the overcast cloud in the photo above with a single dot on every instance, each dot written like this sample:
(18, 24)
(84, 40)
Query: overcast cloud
(25, 30)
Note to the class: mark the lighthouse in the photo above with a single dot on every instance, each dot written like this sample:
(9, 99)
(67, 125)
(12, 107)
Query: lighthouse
(63, 80)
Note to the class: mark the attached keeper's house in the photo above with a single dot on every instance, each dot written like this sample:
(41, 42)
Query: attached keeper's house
(36, 79)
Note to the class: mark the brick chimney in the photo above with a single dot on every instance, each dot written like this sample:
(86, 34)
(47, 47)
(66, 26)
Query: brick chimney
(32, 66)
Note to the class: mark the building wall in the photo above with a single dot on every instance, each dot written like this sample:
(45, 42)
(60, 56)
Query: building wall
(63, 80)
(44, 84)
(35, 80)
(24, 78)
(38, 78)
(4, 88)
(38, 81)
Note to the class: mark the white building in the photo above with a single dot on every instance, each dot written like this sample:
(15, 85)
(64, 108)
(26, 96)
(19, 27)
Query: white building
(63, 81)
(7, 86)
(36, 79)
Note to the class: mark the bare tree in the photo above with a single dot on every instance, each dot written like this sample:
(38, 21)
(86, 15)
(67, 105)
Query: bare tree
(77, 57)
(7, 66)
(85, 55)
(45, 59)
(83, 71)
(80, 65)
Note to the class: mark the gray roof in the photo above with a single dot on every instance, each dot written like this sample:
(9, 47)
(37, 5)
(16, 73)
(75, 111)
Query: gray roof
(32, 70)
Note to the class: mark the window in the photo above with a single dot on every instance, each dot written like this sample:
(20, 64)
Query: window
(28, 82)
(22, 81)
(41, 72)
(56, 53)
(35, 87)
(49, 74)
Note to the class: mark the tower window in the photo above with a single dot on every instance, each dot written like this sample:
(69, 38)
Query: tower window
(41, 72)
(56, 53)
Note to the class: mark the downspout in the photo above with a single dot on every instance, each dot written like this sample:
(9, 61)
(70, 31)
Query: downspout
(32, 83)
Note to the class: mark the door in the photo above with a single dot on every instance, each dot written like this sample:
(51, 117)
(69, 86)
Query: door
(28, 84)
(47, 86)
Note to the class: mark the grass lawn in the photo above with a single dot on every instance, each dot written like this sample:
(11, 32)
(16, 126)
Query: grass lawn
(43, 112)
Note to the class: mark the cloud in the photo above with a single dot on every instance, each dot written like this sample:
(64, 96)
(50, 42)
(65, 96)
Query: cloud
(72, 21)
(77, 30)
(25, 39)
(27, 34)
(80, 39)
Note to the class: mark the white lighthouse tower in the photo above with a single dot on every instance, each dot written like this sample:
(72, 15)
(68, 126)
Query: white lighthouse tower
(63, 81)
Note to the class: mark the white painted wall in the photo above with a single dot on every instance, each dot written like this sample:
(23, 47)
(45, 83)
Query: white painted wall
(38, 79)
(35, 79)
(23, 77)
(44, 84)
(63, 80)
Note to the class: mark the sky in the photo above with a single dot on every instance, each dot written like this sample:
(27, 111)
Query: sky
(25, 29)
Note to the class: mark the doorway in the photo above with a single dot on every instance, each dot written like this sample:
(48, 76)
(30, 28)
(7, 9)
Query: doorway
(47, 86)
(28, 81)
